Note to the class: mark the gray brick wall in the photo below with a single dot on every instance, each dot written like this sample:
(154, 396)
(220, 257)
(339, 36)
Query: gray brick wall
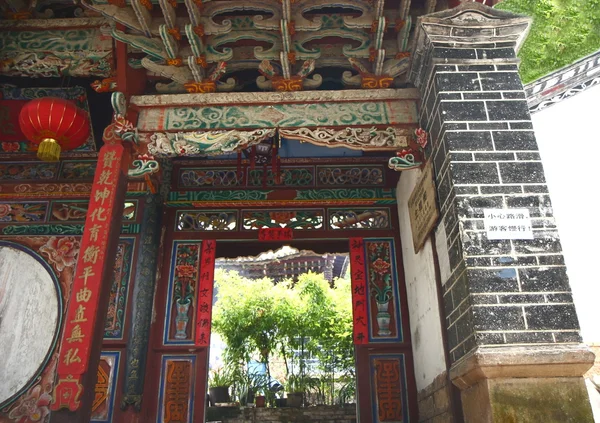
(485, 156)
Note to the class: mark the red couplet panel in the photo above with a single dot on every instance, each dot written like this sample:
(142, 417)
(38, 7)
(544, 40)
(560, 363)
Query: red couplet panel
(205, 293)
(359, 291)
(102, 222)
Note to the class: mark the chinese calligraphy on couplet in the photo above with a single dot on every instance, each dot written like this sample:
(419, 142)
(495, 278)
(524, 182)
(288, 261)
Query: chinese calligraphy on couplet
(82, 309)
(205, 293)
(359, 291)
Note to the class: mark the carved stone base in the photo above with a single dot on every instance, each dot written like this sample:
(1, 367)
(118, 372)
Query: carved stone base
(525, 384)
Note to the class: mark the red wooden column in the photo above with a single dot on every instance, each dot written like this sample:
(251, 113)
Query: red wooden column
(383, 352)
(83, 330)
(360, 331)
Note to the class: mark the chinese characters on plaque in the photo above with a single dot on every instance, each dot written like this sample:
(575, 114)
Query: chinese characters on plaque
(81, 313)
(507, 224)
(422, 208)
(275, 234)
(359, 291)
(205, 293)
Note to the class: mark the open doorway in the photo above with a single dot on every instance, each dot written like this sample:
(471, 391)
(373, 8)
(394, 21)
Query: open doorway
(282, 325)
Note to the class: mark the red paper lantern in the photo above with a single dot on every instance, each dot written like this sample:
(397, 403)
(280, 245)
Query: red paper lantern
(54, 124)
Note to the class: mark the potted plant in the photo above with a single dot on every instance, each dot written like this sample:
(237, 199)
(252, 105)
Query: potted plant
(247, 385)
(220, 380)
(295, 391)
(259, 384)
(260, 400)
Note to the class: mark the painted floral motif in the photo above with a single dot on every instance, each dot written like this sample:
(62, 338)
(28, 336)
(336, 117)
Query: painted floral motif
(302, 219)
(380, 275)
(22, 171)
(185, 271)
(33, 406)
(282, 217)
(78, 170)
(61, 251)
(67, 211)
(10, 147)
(5, 210)
(22, 212)
(207, 220)
(379, 264)
(421, 136)
(380, 267)
(185, 281)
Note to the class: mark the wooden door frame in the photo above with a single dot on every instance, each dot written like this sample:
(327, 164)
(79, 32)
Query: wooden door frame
(157, 348)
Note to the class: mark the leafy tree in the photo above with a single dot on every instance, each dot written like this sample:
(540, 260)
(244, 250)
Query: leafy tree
(258, 318)
(563, 31)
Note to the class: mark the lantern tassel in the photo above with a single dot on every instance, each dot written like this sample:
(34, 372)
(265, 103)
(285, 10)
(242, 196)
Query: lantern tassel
(49, 150)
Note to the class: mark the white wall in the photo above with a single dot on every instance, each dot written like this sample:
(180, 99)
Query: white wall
(423, 308)
(568, 134)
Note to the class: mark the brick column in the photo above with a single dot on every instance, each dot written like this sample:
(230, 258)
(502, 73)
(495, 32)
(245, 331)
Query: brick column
(513, 334)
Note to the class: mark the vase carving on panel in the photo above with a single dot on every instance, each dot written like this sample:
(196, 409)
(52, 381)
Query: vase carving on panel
(182, 319)
(383, 318)
(380, 285)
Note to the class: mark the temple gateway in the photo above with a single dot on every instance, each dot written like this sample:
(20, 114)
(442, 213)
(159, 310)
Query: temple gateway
(144, 142)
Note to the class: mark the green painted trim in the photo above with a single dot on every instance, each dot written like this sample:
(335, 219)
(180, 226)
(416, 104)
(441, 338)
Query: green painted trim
(129, 229)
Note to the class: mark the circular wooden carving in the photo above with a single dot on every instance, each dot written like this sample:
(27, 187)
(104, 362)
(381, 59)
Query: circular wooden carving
(30, 305)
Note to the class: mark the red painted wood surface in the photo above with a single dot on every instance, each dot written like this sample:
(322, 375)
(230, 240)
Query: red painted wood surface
(360, 332)
(10, 131)
(205, 293)
(84, 324)
(275, 234)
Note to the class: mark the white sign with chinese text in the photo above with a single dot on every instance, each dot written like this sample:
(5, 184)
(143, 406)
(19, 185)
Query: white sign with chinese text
(507, 224)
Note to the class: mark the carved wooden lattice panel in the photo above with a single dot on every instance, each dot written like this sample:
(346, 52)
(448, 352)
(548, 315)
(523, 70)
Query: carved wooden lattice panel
(389, 392)
(176, 400)
(373, 263)
(104, 391)
(182, 294)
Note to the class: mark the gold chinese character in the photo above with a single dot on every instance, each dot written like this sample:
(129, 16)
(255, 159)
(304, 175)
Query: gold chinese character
(83, 296)
(109, 158)
(104, 177)
(98, 214)
(76, 334)
(94, 232)
(79, 315)
(72, 357)
(90, 255)
(101, 195)
(87, 272)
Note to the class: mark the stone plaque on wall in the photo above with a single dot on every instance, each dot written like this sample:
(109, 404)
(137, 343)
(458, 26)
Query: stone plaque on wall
(422, 208)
